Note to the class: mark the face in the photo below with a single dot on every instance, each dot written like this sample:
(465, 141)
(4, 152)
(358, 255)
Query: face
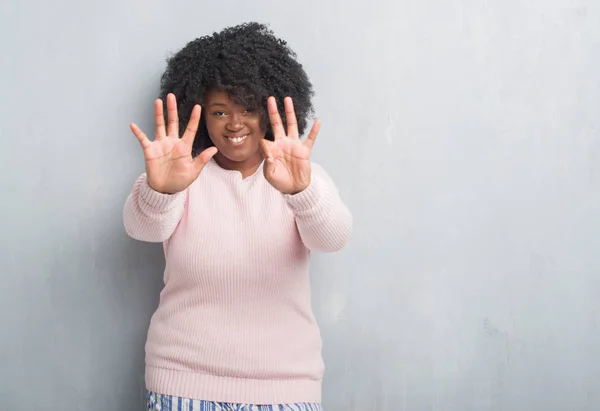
(235, 130)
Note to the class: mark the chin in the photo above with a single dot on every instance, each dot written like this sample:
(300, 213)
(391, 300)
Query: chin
(239, 156)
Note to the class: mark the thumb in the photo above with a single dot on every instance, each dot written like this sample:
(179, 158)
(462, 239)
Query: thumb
(204, 157)
(265, 148)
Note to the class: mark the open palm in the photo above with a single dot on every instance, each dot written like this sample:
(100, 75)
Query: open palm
(287, 166)
(170, 167)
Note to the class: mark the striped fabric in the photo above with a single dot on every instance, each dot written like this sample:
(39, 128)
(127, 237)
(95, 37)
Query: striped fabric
(161, 402)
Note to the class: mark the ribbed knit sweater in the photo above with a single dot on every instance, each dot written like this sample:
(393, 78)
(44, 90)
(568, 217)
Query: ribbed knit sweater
(234, 322)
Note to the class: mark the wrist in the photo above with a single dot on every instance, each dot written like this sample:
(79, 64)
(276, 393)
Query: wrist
(296, 190)
(308, 198)
(157, 190)
(157, 199)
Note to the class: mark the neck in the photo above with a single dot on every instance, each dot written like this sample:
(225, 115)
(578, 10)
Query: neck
(246, 167)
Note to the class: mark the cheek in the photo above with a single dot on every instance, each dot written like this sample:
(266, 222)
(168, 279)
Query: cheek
(213, 127)
(210, 123)
(258, 126)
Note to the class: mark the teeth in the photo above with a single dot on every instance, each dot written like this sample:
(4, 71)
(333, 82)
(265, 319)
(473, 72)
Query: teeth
(237, 139)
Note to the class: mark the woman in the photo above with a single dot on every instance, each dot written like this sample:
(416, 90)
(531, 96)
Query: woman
(239, 207)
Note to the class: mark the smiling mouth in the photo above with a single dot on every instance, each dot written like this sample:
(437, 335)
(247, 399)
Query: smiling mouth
(237, 140)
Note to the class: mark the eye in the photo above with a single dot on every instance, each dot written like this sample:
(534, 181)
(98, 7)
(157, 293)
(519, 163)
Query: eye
(218, 113)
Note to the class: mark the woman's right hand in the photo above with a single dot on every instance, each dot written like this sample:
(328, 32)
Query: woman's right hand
(170, 167)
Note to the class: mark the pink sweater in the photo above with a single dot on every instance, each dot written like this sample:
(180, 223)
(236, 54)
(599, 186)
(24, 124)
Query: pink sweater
(234, 322)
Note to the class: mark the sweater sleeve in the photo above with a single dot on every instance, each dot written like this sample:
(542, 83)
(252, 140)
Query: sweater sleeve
(152, 216)
(323, 220)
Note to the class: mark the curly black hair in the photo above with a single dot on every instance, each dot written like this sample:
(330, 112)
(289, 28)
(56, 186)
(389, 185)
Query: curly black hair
(247, 61)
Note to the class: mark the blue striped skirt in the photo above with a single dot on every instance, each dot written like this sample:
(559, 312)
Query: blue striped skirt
(161, 402)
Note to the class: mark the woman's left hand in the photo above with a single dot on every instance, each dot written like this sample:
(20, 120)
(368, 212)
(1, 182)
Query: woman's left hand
(287, 159)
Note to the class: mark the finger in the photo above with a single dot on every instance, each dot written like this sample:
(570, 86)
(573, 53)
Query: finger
(290, 116)
(275, 118)
(265, 148)
(192, 126)
(140, 135)
(312, 135)
(204, 157)
(172, 116)
(159, 119)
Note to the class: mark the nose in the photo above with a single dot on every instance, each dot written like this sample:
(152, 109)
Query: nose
(235, 122)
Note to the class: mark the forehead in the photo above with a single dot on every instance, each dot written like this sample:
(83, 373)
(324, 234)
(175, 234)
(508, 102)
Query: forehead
(223, 97)
(218, 96)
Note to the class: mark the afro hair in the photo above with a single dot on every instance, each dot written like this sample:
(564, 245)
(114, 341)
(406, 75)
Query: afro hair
(248, 62)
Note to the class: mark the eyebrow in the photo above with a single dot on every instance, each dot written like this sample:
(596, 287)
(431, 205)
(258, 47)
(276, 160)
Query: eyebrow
(217, 104)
